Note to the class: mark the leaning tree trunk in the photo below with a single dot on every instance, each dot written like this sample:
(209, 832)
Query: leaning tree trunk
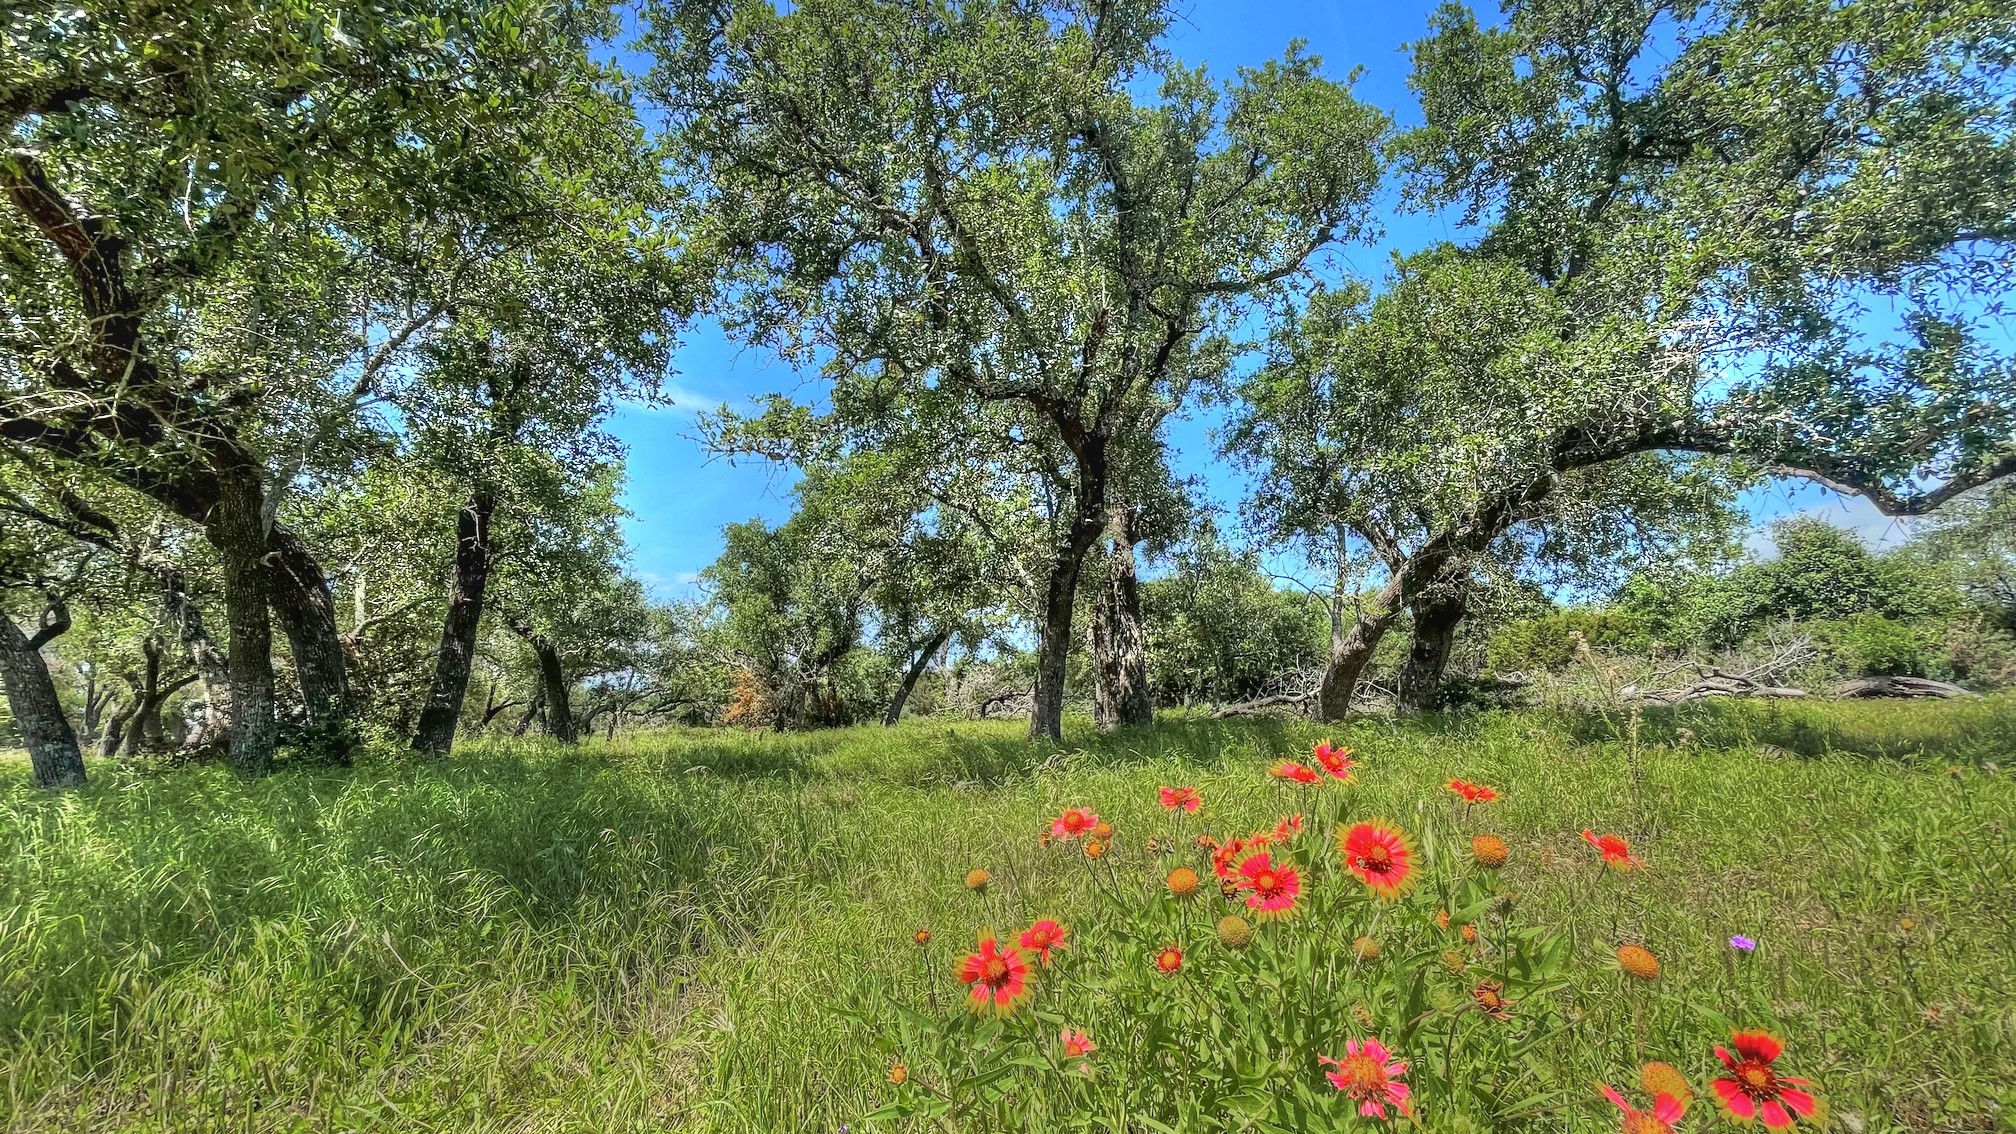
(913, 673)
(1119, 644)
(38, 712)
(1053, 644)
(1351, 649)
(1436, 616)
(553, 679)
(213, 671)
(452, 663)
(298, 591)
(238, 533)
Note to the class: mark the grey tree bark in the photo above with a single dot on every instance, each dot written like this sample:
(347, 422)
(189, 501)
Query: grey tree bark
(53, 755)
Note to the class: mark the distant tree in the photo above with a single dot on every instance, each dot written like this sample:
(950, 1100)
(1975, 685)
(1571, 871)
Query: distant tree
(1221, 629)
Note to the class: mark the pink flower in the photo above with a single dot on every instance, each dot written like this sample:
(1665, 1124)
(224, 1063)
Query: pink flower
(1075, 821)
(1274, 889)
(1180, 799)
(1370, 1076)
(1076, 1044)
(1666, 1110)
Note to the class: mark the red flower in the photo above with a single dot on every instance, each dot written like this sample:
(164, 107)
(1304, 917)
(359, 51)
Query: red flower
(1336, 761)
(1754, 1089)
(1169, 960)
(1370, 1076)
(1287, 828)
(1074, 822)
(1000, 980)
(1180, 799)
(1616, 850)
(1077, 1044)
(1666, 1110)
(1042, 937)
(1296, 773)
(1473, 793)
(1380, 855)
(1274, 889)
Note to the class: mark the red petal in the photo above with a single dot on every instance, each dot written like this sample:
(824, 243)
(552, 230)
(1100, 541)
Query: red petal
(1732, 1096)
(1758, 1045)
(1800, 1102)
(1728, 1060)
(1774, 1116)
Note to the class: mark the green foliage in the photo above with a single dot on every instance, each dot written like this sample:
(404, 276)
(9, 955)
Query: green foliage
(1551, 641)
(1872, 644)
(1220, 629)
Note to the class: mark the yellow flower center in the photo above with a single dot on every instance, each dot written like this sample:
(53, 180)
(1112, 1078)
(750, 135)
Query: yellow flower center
(997, 969)
(1362, 1074)
(1265, 881)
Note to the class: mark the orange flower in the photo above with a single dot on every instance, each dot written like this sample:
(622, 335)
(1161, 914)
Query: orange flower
(1490, 1000)
(898, 1073)
(1102, 830)
(1181, 799)
(1638, 961)
(1473, 793)
(1469, 934)
(1094, 848)
(1287, 828)
(1665, 1079)
(999, 980)
(1075, 821)
(921, 937)
(1755, 1089)
(1490, 851)
(1042, 937)
(1293, 772)
(1365, 949)
(1077, 1045)
(977, 879)
(1169, 960)
(1666, 1110)
(1182, 882)
(1616, 850)
(1380, 855)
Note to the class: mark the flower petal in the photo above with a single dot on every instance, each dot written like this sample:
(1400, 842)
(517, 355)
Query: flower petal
(1610, 1093)
(1774, 1116)
(1799, 1101)
(1757, 1045)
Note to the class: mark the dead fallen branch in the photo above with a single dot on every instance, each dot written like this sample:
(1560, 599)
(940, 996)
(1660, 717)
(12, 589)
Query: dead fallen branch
(1717, 685)
(1260, 705)
(1897, 687)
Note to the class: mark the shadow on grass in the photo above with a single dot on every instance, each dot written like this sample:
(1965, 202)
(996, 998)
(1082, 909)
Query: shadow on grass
(1972, 731)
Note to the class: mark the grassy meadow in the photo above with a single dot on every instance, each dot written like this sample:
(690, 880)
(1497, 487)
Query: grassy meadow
(713, 931)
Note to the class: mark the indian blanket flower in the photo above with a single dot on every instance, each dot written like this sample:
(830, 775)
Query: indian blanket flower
(977, 879)
(1180, 799)
(921, 937)
(1287, 828)
(1075, 821)
(1490, 851)
(1755, 1089)
(1273, 888)
(1182, 882)
(1489, 997)
(1042, 937)
(1169, 960)
(1234, 932)
(898, 1073)
(1102, 830)
(1094, 848)
(1473, 793)
(1666, 1110)
(1665, 1079)
(1293, 772)
(1743, 944)
(999, 981)
(1365, 948)
(1616, 850)
(1336, 761)
(1077, 1045)
(1380, 855)
(1370, 1076)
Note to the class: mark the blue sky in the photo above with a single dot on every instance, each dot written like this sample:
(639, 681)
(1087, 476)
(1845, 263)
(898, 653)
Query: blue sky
(679, 498)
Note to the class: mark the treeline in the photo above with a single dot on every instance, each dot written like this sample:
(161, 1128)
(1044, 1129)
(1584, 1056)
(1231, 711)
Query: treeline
(313, 318)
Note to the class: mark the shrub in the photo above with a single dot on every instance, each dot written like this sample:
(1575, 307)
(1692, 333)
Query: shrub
(1548, 642)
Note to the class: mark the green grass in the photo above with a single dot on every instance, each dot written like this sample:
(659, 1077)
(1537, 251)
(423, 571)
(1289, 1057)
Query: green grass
(652, 935)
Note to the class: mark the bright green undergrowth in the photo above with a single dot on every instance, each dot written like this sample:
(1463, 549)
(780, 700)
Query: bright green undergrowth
(698, 930)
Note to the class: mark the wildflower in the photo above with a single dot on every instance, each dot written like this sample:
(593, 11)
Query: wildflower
(1370, 1076)
(1094, 848)
(1365, 949)
(1042, 937)
(1469, 934)
(1754, 1089)
(1336, 761)
(1380, 855)
(1666, 1110)
(1742, 944)
(1455, 962)
(1180, 799)
(999, 980)
(1206, 843)
(922, 937)
(1665, 1079)
(1616, 851)
(1293, 772)
(1275, 888)
(1490, 1000)
(1182, 882)
(1489, 851)
(1363, 1015)
(1077, 1045)
(1158, 846)
(1441, 919)
(1473, 793)
(1234, 932)
(977, 879)
(1102, 830)
(1638, 961)
(1228, 888)
(1169, 960)
(898, 1073)
(1287, 828)
(1074, 822)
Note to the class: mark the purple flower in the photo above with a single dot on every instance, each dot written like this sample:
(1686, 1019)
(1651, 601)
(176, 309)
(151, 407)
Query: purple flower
(1744, 943)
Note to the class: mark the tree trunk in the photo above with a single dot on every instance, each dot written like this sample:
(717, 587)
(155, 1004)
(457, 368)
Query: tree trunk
(532, 711)
(553, 679)
(436, 730)
(115, 730)
(1436, 616)
(1119, 645)
(38, 712)
(237, 531)
(212, 667)
(913, 673)
(143, 729)
(1351, 648)
(298, 591)
(1053, 647)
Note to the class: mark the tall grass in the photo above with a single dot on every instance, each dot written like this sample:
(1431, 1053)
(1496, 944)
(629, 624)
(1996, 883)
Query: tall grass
(651, 934)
